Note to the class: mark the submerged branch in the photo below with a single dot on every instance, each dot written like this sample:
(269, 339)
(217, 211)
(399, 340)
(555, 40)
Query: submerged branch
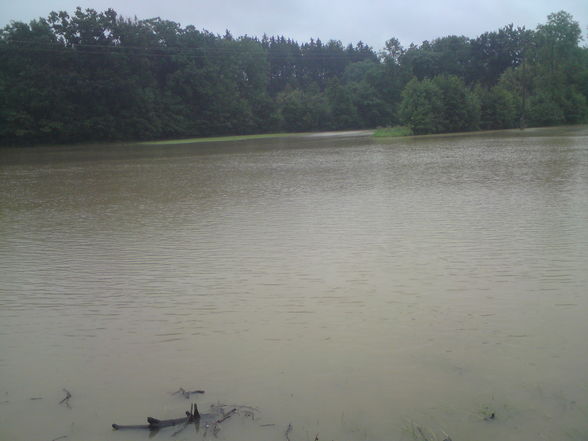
(66, 399)
(226, 416)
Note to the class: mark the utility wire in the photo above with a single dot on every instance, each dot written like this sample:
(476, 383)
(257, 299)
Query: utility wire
(163, 51)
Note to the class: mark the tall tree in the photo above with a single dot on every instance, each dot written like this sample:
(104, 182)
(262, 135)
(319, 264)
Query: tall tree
(95, 76)
(421, 108)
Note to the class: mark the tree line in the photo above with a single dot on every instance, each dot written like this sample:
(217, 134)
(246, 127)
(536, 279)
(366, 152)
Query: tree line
(97, 76)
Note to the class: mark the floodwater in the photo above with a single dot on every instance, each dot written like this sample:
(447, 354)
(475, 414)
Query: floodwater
(351, 288)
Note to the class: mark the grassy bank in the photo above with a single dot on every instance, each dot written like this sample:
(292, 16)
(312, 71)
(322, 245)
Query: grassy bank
(389, 132)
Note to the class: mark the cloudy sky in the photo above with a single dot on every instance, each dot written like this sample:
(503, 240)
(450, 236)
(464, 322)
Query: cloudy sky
(371, 21)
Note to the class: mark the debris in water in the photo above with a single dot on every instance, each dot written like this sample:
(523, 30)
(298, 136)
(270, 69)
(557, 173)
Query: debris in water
(155, 424)
(186, 393)
(288, 430)
(490, 417)
(66, 399)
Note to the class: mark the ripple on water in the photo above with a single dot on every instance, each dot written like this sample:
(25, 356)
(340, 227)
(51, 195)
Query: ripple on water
(323, 267)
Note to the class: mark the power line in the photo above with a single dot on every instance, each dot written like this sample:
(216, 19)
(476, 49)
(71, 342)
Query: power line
(162, 51)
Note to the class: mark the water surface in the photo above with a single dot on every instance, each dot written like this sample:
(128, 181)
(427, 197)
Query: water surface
(355, 288)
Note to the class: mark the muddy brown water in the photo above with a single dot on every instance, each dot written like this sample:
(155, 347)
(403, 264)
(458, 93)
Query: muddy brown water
(357, 289)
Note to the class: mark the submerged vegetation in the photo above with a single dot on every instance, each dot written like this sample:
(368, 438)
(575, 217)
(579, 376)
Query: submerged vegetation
(96, 76)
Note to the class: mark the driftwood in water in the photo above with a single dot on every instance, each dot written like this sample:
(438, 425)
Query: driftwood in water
(192, 416)
(158, 424)
(155, 424)
(130, 426)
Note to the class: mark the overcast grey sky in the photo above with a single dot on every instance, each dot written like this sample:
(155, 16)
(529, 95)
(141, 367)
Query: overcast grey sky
(371, 21)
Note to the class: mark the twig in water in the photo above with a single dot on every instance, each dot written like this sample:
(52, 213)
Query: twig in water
(66, 399)
(226, 417)
(237, 406)
(186, 393)
(59, 437)
(288, 430)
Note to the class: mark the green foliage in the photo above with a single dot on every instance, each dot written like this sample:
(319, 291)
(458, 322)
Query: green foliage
(550, 82)
(443, 104)
(558, 39)
(96, 76)
(544, 110)
(374, 89)
(461, 108)
(421, 108)
(344, 113)
(494, 52)
(574, 106)
(498, 108)
(303, 112)
(448, 55)
(392, 132)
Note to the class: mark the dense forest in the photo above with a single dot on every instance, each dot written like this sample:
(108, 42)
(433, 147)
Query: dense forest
(97, 76)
